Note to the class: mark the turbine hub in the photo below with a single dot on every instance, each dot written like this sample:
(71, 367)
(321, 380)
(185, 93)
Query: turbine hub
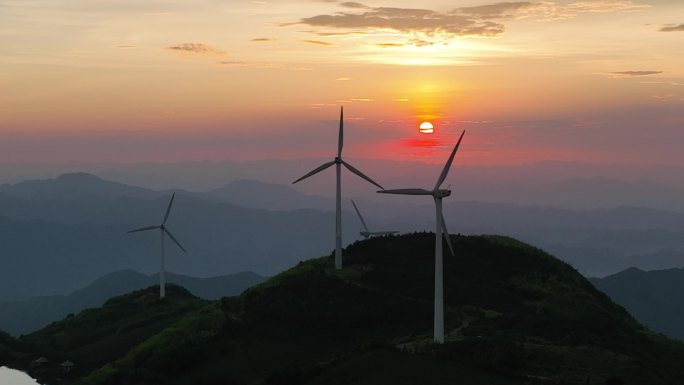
(441, 193)
(338, 160)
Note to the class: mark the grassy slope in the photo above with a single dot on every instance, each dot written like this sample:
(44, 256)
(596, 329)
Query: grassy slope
(97, 336)
(513, 313)
(13, 353)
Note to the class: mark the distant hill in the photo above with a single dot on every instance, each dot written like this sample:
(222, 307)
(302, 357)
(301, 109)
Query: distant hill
(74, 186)
(655, 298)
(270, 196)
(514, 315)
(81, 221)
(22, 317)
(46, 257)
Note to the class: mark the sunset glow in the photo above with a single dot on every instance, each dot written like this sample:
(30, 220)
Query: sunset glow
(160, 81)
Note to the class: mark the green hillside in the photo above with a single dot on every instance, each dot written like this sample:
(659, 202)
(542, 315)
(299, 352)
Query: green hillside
(514, 315)
(13, 353)
(96, 336)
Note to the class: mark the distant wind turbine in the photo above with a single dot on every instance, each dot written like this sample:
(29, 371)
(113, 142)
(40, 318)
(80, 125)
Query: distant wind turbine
(440, 224)
(163, 230)
(338, 162)
(367, 233)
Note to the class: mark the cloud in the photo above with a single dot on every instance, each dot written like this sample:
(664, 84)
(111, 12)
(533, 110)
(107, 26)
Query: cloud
(672, 28)
(604, 6)
(664, 96)
(318, 42)
(335, 34)
(635, 73)
(498, 10)
(351, 4)
(124, 46)
(354, 100)
(196, 48)
(242, 63)
(263, 39)
(424, 27)
(390, 45)
(235, 62)
(667, 83)
(406, 20)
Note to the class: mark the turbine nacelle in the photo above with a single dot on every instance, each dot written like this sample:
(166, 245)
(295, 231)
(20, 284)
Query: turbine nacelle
(441, 193)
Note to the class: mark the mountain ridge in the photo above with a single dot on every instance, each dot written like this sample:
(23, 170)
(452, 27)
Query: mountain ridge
(29, 315)
(514, 314)
(654, 297)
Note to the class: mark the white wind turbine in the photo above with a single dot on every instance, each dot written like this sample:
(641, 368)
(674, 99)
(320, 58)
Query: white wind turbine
(367, 233)
(338, 162)
(437, 195)
(163, 230)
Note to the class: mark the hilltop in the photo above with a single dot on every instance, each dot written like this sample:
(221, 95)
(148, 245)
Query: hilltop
(514, 315)
(21, 317)
(94, 337)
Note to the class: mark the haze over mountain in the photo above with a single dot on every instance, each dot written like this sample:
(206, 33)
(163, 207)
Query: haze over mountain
(655, 298)
(29, 315)
(61, 234)
(568, 184)
(269, 196)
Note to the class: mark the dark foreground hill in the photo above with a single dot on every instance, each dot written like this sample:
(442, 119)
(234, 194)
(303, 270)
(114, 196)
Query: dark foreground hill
(514, 315)
(94, 337)
(655, 298)
(21, 317)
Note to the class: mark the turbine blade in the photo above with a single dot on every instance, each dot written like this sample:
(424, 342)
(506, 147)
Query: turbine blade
(168, 209)
(340, 140)
(359, 214)
(359, 173)
(446, 235)
(315, 171)
(174, 239)
(144, 229)
(407, 191)
(447, 166)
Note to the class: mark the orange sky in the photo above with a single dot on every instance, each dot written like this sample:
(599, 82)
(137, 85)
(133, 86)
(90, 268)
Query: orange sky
(599, 81)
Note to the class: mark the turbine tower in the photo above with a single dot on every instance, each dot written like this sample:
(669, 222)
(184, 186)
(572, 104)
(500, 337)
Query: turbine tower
(440, 224)
(164, 230)
(338, 162)
(367, 233)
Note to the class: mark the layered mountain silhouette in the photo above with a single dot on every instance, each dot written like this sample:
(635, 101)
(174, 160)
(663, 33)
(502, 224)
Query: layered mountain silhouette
(29, 315)
(514, 315)
(60, 234)
(655, 298)
(270, 196)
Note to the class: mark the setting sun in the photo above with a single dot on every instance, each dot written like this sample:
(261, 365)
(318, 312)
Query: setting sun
(426, 128)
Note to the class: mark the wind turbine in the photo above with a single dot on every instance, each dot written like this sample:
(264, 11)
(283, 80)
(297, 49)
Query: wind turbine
(163, 230)
(367, 233)
(440, 224)
(338, 162)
